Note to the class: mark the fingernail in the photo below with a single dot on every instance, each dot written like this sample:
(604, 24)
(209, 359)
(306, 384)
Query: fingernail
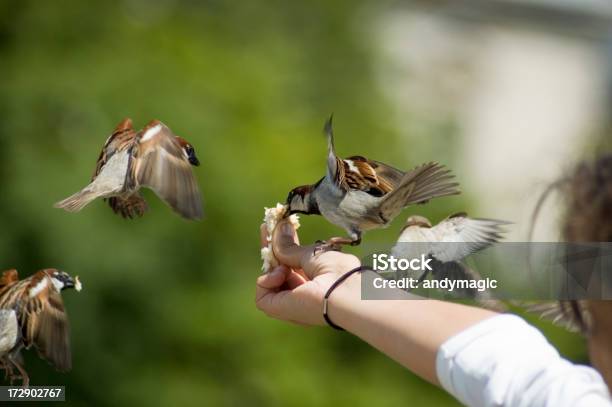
(277, 271)
(287, 229)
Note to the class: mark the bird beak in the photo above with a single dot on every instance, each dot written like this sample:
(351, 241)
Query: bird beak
(193, 160)
(287, 211)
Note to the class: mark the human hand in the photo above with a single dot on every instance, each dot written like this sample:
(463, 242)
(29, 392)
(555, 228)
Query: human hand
(294, 290)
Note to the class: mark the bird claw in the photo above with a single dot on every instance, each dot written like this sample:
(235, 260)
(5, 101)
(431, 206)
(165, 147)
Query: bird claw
(322, 246)
(9, 374)
(13, 377)
(325, 247)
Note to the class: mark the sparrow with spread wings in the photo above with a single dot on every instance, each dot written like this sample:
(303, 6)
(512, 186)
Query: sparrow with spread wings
(447, 244)
(359, 194)
(154, 158)
(36, 318)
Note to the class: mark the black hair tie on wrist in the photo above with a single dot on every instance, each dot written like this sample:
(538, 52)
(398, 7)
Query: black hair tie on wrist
(333, 287)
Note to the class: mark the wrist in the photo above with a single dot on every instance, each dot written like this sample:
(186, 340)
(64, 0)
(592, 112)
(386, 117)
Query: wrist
(344, 293)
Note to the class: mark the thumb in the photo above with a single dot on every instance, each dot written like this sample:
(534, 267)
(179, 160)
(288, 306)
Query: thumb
(287, 248)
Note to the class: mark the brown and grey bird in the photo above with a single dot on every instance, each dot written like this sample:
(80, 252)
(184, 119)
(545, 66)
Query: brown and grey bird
(447, 244)
(359, 194)
(154, 158)
(9, 334)
(41, 319)
(8, 330)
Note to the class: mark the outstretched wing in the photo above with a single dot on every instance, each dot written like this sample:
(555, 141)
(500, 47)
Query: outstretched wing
(460, 236)
(8, 277)
(160, 164)
(335, 169)
(567, 314)
(418, 186)
(44, 322)
(357, 172)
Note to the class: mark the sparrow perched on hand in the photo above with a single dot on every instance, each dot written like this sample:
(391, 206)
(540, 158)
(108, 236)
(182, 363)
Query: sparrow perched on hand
(154, 158)
(447, 243)
(359, 194)
(41, 318)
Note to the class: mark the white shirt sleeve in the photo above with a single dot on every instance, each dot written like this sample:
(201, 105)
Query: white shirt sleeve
(504, 361)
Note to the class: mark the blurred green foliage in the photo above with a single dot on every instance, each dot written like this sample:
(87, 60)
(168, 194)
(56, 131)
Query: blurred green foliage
(167, 314)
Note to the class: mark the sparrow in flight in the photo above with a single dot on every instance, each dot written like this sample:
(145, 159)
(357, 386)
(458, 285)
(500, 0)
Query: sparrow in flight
(359, 194)
(8, 330)
(154, 158)
(447, 243)
(41, 318)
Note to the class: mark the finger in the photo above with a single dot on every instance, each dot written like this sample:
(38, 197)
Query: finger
(273, 279)
(294, 280)
(286, 247)
(276, 304)
(269, 296)
(302, 274)
(263, 235)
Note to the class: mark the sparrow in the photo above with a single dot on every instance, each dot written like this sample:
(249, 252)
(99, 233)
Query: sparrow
(8, 330)
(447, 244)
(154, 158)
(358, 194)
(41, 319)
(9, 333)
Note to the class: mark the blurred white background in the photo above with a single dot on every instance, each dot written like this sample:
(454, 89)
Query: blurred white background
(523, 84)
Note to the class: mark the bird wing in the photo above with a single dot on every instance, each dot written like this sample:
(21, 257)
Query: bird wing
(45, 323)
(160, 164)
(119, 139)
(357, 172)
(373, 177)
(460, 236)
(9, 277)
(560, 313)
(417, 186)
(389, 174)
(335, 167)
(413, 242)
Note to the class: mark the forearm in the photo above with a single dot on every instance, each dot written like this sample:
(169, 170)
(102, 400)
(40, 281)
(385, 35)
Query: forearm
(409, 331)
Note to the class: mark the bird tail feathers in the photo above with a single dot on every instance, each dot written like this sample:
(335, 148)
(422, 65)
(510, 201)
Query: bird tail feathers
(78, 201)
